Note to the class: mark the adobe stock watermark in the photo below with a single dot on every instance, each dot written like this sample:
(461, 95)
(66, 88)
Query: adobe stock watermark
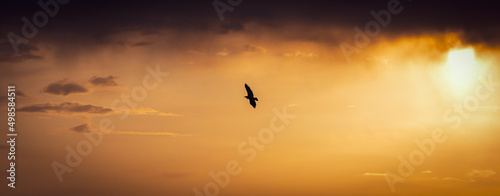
(221, 7)
(39, 20)
(248, 149)
(427, 146)
(372, 29)
(94, 138)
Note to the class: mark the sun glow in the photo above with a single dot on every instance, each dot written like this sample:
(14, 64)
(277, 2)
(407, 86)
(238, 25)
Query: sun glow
(461, 69)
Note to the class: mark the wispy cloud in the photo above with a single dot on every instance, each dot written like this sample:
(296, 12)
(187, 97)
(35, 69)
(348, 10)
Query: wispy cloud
(223, 52)
(472, 176)
(150, 111)
(66, 108)
(427, 172)
(480, 173)
(456, 180)
(249, 49)
(351, 106)
(253, 49)
(374, 174)
(151, 133)
(300, 54)
(83, 128)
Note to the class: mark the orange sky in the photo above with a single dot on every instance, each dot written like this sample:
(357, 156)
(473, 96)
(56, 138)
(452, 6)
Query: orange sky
(353, 121)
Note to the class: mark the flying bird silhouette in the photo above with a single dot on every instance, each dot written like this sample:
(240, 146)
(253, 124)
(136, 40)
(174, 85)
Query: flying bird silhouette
(250, 96)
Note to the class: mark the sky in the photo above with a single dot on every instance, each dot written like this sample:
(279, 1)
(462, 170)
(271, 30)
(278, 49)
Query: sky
(355, 97)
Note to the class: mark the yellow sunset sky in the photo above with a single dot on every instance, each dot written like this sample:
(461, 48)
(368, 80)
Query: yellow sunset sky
(354, 121)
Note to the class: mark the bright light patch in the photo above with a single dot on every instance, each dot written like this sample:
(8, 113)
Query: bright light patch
(461, 70)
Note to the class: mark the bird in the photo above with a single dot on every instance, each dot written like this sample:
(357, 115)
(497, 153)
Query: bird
(250, 96)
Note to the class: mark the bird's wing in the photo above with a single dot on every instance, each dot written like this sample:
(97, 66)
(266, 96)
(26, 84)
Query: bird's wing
(252, 102)
(249, 91)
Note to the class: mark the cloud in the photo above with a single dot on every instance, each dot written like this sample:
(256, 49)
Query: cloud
(223, 52)
(300, 54)
(253, 49)
(374, 174)
(150, 111)
(427, 172)
(21, 94)
(83, 128)
(150, 133)
(480, 173)
(63, 88)
(66, 107)
(231, 26)
(26, 52)
(473, 175)
(3, 98)
(455, 179)
(187, 19)
(103, 81)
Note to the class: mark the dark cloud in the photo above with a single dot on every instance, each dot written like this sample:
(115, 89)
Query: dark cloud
(63, 88)
(66, 107)
(252, 49)
(26, 52)
(231, 26)
(103, 81)
(21, 93)
(4, 98)
(92, 24)
(18, 93)
(83, 128)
